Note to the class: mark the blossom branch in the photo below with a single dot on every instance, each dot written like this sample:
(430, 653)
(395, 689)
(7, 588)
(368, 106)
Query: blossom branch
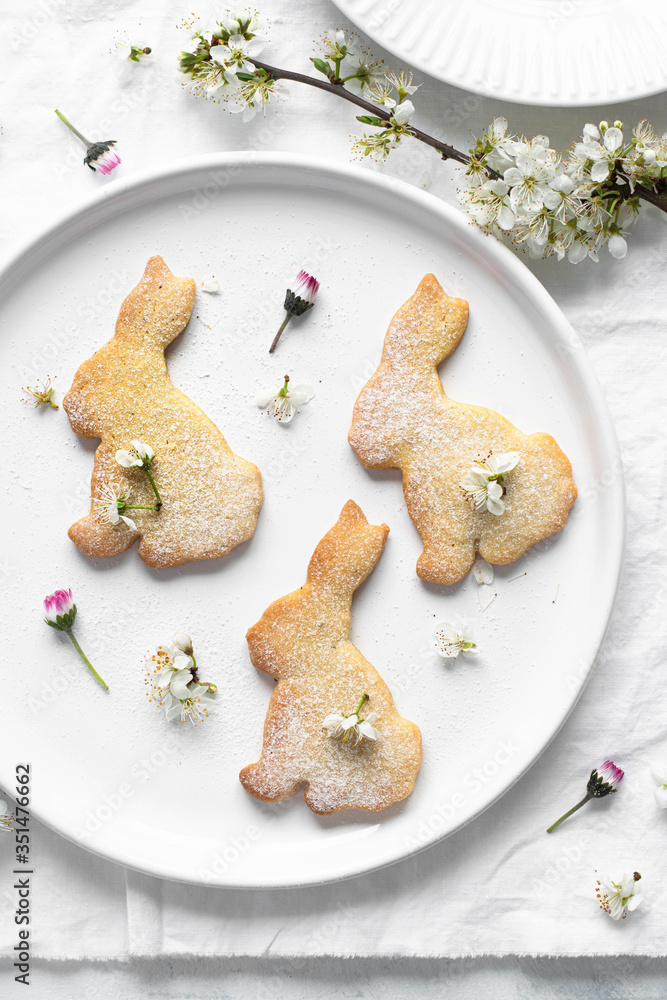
(517, 189)
(337, 88)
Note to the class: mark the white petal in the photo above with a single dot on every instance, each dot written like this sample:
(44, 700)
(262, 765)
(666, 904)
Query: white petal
(174, 710)
(591, 132)
(660, 794)
(482, 571)
(600, 171)
(180, 660)
(112, 514)
(634, 901)
(129, 522)
(496, 507)
(265, 399)
(404, 112)
(127, 460)
(366, 730)
(505, 218)
(552, 199)
(613, 139)
(334, 719)
(617, 247)
(301, 394)
(513, 176)
(210, 285)
(143, 450)
(178, 686)
(507, 462)
(577, 253)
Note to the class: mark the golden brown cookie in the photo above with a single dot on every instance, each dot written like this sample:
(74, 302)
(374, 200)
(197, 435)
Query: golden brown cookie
(210, 496)
(403, 420)
(303, 641)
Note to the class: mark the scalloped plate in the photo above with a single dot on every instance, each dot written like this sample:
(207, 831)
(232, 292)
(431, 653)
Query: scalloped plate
(552, 52)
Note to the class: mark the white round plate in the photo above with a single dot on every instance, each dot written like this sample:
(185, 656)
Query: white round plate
(553, 52)
(108, 770)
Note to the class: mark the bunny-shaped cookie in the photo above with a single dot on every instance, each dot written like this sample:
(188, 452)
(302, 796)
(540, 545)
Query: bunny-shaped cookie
(403, 420)
(210, 496)
(303, 641)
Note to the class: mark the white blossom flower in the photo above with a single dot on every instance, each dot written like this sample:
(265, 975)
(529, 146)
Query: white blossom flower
(254, 95)
(659, 775)
(220, 81)
(139, 456)
(210, 285)
(529, 181)
(112, 503)
(381, 94)
(172, 681)
(285, 403)
(193, 708)
(335, 45)
(483, 485)
(363, 70)
(450, 640)
(403, 113)
(604, 153)
(402, 82)
(238, 53)
(351, 728)
(618, 898)
(489, 202)
(166, 662)
(482, 571)
(6, 817)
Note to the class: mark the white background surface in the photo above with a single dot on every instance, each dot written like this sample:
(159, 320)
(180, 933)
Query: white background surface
(536, 896)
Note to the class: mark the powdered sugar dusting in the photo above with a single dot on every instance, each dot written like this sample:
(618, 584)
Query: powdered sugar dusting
(403, 419)
(211, 497)
(303, 641)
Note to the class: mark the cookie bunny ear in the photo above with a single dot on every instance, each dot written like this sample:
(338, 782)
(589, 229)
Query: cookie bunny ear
(156, 311)
(427, 327)
(347, 553)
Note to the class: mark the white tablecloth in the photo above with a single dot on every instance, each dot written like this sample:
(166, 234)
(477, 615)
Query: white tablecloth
(500, 886)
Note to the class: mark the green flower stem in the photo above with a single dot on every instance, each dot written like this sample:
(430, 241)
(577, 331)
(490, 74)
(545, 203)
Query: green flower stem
(359, 706)
(279, 334)
(86, 660)
(152, 482)
(569, 813)
(71, 128)
(135, 506)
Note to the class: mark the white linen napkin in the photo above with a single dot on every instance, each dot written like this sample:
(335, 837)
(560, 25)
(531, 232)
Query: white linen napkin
(501, 885)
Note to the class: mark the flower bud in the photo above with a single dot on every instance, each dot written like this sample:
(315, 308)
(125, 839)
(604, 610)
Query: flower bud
(618, 124)
(183, 642)
(604, 126)
(60, 610)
